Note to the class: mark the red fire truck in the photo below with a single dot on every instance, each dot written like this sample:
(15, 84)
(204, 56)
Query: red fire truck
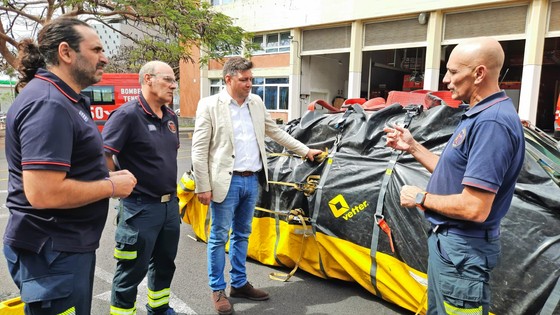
(112, 91)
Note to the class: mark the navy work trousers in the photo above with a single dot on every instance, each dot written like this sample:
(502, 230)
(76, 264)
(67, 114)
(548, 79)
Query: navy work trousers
(147, 237)
(459, 273)
(52, 282)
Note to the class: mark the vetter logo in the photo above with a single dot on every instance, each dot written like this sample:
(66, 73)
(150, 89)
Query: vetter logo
(339, 207)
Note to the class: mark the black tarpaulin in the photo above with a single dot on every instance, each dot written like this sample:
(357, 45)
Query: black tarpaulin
(344, 203)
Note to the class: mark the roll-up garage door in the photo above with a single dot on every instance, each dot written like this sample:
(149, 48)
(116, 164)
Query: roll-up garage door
(490, 22)
(394, 32)
(327, 38)
(554, 23)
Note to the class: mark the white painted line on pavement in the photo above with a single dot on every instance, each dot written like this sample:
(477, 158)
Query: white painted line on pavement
(179, 306)
(103, 275)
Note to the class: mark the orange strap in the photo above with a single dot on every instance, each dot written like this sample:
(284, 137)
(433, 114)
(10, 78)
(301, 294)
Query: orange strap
(385, 227)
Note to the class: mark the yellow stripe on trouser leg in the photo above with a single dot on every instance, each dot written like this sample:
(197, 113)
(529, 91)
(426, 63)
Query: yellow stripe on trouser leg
(70, 311)
(123, 311)
(158, 298)
(453, 310)
(125, 255)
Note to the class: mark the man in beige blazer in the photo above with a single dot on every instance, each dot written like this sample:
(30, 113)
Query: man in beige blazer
(228, 154)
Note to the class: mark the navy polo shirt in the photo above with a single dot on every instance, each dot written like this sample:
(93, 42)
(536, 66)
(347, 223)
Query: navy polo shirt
(49, 127)
(145, 145)
(486, 151)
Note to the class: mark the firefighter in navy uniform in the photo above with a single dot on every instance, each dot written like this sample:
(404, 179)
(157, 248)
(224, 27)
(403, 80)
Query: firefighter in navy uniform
(472, 182)
(58, 186)
(142, 136)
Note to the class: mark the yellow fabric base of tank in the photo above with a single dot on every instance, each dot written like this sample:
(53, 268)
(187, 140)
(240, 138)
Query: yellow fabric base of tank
(331, 257)
(12, 307)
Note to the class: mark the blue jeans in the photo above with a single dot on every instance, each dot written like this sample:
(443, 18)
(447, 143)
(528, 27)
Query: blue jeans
(459, 273)
(235, 213)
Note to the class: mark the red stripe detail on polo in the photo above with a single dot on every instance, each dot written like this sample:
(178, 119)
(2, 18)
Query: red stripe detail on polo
(44, 162)
(56, 86)
(112, 149)
(143, 106)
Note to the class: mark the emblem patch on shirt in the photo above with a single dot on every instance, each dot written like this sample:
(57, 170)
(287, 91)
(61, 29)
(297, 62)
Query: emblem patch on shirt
(460, 138)
(84, 116)
(152, 127)
(171, 126)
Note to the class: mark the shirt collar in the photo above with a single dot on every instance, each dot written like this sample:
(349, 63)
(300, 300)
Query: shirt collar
(65, 89)
(148, 110)
(224, 95)
(486, 103)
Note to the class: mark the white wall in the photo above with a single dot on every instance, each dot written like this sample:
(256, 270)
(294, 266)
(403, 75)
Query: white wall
(265, 15)
(324, 75)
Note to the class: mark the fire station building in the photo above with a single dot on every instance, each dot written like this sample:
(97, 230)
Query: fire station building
(333, 50)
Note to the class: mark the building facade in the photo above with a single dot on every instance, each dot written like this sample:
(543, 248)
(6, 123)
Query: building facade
(111, 36)
(328, 49)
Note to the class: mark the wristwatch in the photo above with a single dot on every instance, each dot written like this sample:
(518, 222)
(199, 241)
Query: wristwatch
(420, 198)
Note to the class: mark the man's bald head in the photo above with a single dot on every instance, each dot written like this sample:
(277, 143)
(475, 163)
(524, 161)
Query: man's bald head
(473, 69)
(481, 51)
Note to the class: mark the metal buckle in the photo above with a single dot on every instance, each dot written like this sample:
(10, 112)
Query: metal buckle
(435, 228)
(166, 198)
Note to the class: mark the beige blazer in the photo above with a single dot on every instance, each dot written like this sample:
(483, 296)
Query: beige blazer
(213, 145)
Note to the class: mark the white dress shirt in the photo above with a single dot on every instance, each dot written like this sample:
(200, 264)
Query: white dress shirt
(247, 155)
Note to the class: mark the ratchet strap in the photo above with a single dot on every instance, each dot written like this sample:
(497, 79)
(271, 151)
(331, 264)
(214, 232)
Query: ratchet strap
(319, 158)
(308, 188)
(380, 222)
(552, 301)
(292, 215)
(340, 125)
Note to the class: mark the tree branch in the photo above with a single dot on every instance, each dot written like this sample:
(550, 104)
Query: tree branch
(164, 27)
(24, 14)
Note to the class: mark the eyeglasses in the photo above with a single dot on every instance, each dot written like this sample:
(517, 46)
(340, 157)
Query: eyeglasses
(167, 79)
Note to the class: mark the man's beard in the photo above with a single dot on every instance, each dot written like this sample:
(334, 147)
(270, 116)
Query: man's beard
(83, 76)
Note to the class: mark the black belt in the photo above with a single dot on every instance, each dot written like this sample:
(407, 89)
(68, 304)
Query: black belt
(150, 199)
(244, 173)
(489, 233)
